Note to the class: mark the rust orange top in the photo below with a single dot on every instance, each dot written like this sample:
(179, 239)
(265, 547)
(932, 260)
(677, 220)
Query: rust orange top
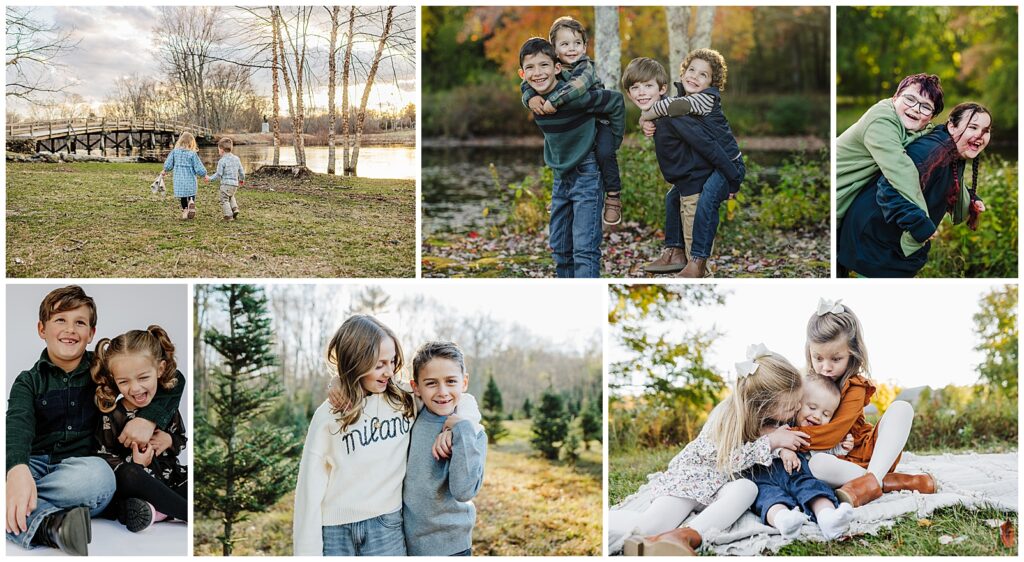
(849, 418)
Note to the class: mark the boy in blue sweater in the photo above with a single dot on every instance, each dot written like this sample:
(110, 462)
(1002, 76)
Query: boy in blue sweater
(438, 515)
(698, 153)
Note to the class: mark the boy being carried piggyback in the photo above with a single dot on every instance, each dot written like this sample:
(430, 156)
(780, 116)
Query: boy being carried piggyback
(569, 141)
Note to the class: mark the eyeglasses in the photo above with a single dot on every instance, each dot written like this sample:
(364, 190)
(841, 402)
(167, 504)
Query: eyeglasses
(922, 106)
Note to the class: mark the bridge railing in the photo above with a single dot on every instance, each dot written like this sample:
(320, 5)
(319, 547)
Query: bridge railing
(35, 129)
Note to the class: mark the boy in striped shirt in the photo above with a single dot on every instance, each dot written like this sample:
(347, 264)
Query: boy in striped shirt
(569, 138)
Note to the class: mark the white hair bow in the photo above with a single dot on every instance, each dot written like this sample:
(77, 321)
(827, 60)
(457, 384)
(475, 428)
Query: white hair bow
(825, 307)
(749, 367)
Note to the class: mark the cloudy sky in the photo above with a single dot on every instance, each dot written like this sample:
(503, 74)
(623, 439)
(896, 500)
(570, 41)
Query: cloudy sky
(116, 41)
(919, 334)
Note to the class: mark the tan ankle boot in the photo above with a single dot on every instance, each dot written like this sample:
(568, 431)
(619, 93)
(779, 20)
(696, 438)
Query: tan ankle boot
(696, 269)
(683, 541)
(920, 483)
(671, 260)
(860, 491)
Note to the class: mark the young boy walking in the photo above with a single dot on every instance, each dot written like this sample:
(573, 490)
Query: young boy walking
(569, 137)
(231, 176)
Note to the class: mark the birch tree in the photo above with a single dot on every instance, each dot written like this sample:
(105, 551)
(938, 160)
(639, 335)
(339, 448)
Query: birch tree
(370, 76)
(331, 80)
(607, 47)
(680, 40)
(346, 66)
(275, 120)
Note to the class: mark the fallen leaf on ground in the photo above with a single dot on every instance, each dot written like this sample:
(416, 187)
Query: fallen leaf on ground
(924, 522)
(1008, 534)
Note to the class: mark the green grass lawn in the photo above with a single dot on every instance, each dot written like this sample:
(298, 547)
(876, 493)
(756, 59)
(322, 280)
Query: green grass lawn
(100, 220)
(910, 536)
(528, 506)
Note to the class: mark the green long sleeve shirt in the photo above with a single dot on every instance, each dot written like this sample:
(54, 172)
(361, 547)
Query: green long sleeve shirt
(876, 143)
(569, 134)
(52, 412)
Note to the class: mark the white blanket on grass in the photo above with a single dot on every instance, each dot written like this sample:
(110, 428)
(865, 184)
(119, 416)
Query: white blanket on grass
(973, 480)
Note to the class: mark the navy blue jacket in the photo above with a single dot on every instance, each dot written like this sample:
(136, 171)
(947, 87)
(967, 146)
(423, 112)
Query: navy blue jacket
(869, 236)
(690, 149)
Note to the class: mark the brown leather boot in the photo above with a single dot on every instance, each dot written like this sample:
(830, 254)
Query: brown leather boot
(683, 541)
(696, 269)
(671, 260)
(860, 490)
(920, 483)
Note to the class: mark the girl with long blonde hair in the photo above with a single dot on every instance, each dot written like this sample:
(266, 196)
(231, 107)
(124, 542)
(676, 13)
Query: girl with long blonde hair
(704, 473)
(187, 165)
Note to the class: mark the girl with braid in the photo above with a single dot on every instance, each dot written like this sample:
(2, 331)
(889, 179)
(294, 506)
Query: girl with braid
(129, 371)
(869, 238)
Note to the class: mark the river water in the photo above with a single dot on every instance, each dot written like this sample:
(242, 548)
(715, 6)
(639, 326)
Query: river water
(458, 184)
(374, 161)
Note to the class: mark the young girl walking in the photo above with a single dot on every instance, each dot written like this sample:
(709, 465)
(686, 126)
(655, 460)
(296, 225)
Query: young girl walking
(185, 162)
(703, 474)
(151, 484)
(836, 349)
(348, 498)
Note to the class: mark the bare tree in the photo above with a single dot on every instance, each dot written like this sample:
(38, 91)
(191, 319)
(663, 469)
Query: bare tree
(371, 75)
(275, 121)
(607, 47)
(346, 66)
(298, 45)
(680, 40)
(33, 51)
(332, 71)
(187, 35)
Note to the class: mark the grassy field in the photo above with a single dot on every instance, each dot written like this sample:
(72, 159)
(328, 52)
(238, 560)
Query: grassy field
(972, 530)
(100, 220)
(528, 506)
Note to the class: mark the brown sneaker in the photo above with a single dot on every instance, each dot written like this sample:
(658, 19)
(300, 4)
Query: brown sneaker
(683, 541)
(920, 483)
(860, 491)
(671, 260)
(228, 218)
(191, 209)
(612, 211)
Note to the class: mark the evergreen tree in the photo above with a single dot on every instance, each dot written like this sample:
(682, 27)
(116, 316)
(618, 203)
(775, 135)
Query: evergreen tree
(243, 464)
(571, 446)
(492, 412)
(527, 407)
(550, 424)
(590, 423)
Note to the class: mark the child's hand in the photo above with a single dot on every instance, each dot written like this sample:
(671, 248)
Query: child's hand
(979, 205)
(21, 498)
(207, 178)
(549, 108)
(160, 442)
(790, 461)
(144, 457)
(536, 105)
(138, 431)
(451, 421)
(784, 438)
(649, 128)
(847, 444)
(443, 445)
(241, 183)
(335, 397)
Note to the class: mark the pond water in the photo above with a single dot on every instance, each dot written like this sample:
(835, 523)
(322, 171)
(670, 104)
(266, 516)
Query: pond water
(374, 161)
(458, 185)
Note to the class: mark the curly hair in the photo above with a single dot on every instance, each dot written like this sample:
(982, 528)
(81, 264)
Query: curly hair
(719, 70)
(153, 341)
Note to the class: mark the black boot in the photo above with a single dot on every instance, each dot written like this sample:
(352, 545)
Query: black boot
(135, 514)
(69, 530)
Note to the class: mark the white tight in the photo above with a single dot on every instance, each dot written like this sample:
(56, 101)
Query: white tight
(893, 430)
(666, 513)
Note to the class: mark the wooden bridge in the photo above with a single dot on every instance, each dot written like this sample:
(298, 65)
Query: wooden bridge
(101, 134)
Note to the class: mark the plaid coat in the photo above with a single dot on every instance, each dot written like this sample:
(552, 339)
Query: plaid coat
(186, 165)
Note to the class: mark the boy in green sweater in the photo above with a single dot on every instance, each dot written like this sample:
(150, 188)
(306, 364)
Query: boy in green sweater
(569, 136)
(54, 483)
(876, 144)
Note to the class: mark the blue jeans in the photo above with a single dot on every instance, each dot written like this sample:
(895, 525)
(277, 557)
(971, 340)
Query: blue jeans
(575, 229)
(774, 486)
(73, 482)
(605, 148)
(705, 223)
(673, 222)
(377, 536)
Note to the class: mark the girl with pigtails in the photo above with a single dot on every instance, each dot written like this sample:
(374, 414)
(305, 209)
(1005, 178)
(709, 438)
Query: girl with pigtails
(703, 477)
(872, 235)
(130, 371)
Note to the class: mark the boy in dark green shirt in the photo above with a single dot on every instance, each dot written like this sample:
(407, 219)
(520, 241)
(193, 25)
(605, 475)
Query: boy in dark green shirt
(54, 484)
(569, 136)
